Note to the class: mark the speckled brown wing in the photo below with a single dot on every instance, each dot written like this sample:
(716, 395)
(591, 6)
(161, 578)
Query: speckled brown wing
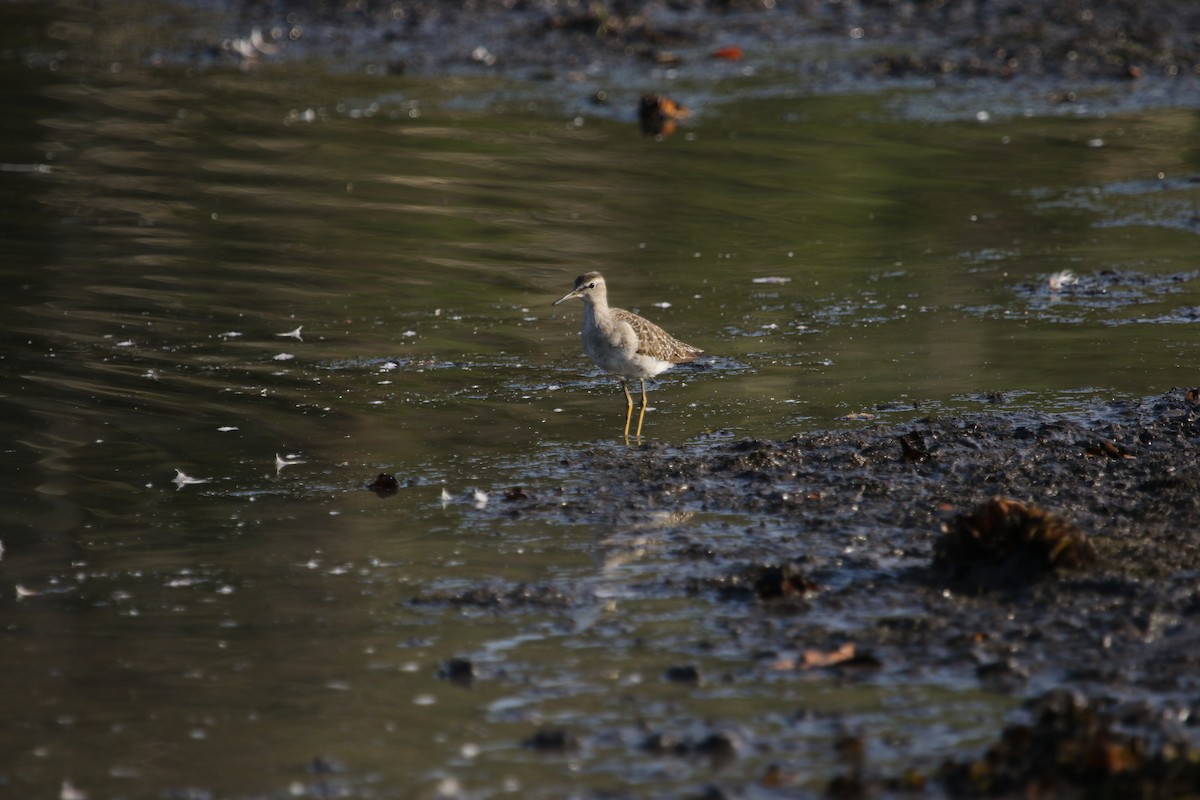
(653, 341)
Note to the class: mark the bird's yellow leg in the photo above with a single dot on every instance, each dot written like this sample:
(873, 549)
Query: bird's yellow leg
(642, 415)
(628, 408)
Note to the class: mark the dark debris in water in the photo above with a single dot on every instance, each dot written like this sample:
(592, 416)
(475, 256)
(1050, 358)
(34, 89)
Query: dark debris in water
(552, 740)
(659, 115)
(1107, 283)
(1162, 201)
(780, 585)
(718, 746)
(1104, 291)
(503, 597)
(460, 671)
(385, 485)
(515, 494)
(684, 673)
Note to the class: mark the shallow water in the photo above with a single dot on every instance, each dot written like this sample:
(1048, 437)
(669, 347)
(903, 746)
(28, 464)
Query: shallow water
(214, 271)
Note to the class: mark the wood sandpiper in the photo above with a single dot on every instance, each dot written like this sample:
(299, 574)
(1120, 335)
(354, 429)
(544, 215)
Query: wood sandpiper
(624, 344)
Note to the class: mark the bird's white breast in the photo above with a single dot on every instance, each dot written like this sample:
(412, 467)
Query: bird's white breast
(615, 348)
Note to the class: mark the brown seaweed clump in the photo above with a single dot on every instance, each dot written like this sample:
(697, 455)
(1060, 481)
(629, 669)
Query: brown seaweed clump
(1075, 748)
(1005, 543)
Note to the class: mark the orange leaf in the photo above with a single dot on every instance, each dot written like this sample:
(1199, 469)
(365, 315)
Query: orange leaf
(732, 53)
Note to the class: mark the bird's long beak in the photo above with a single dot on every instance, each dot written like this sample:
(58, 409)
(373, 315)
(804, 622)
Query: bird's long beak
(567, 296)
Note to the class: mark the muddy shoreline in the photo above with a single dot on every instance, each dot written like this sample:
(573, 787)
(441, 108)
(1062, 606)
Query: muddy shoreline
(847, 525)
(1117, 39)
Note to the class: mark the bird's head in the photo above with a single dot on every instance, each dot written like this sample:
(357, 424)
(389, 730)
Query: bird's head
(588, 288)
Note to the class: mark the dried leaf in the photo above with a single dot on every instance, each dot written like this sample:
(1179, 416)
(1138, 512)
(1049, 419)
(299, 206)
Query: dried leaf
(818, 658)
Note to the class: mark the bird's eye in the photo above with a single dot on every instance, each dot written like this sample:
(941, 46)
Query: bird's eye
(592, 285)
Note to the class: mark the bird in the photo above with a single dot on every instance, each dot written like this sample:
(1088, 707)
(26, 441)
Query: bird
(624, 344)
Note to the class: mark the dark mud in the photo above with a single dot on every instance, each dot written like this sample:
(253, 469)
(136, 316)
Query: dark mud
(839, 546)
(1110, 39)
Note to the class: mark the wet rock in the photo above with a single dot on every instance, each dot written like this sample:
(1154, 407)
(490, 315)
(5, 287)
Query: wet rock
(385, 485)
